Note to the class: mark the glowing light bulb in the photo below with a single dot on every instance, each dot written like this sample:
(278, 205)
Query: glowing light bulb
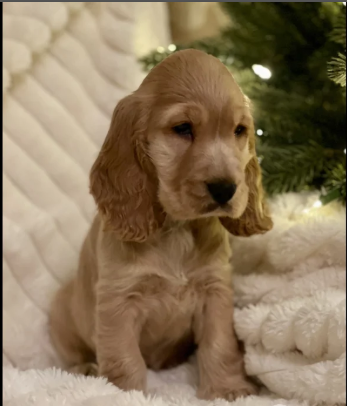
(172, 47)
(262, 71)
(317, 204)
(260, 132)
(344, 150)
(160, 50)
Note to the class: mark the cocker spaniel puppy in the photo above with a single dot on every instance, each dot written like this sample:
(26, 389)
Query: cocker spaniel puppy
(177, 172)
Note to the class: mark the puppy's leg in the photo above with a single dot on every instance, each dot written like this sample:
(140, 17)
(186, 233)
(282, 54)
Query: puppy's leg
(220, 361)
(118, 353)
(71, 348)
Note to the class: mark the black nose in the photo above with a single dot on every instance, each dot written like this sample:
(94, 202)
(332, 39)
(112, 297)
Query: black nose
(221, 191)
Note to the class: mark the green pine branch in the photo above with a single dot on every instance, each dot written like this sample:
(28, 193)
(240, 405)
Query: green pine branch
(338, 34)
(291, 168)
(337, 66)
(337, 70)
(335, 182)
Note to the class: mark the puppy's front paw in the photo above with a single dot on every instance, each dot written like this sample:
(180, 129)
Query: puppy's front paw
(236, 389)
(87, 369)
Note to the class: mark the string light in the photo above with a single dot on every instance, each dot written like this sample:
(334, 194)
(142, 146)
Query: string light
(344, 150)
(316, 205)
(172, 47)
(262, 71)
(260, 132)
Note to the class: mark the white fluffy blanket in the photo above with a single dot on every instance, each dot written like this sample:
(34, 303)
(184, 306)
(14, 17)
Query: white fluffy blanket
(292, 313)
(56, 388)
(65, 67)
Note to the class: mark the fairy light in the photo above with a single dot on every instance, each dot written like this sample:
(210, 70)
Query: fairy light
(262, 71)
(316, 205)
(160, 50)
(172, 47)
(344, 151)
(260, 132)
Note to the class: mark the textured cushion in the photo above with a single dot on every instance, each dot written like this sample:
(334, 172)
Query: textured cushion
(66, 65)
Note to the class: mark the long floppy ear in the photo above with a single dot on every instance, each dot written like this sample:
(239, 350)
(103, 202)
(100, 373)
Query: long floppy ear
(255, 219)
(123, 180)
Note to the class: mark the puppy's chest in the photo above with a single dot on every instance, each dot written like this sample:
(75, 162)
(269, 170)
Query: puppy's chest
(175, 291)
(176, 267)
(184, 265)
(177, 257)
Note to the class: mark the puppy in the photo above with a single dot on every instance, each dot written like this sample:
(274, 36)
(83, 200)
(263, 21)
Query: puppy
(176, 173)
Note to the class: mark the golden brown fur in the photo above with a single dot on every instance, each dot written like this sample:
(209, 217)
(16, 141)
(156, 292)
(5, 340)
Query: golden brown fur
(154, 279)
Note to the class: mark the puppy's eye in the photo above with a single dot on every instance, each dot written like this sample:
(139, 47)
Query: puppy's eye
(240, 130)
(184, 130)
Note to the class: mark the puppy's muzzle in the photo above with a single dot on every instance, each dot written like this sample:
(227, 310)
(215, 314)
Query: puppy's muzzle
(221, 191)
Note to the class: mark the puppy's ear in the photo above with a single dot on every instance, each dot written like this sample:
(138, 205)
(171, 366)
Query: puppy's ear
(123, 180)
(255, 219)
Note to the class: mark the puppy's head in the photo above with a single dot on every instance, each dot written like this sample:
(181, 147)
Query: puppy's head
(183, 144)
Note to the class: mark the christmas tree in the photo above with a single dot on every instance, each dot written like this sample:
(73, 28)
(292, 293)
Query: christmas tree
(289, 58)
